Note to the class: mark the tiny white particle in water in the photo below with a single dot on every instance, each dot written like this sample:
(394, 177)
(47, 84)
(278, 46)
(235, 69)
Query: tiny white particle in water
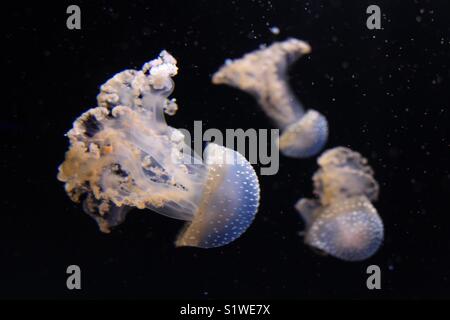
(275, 30)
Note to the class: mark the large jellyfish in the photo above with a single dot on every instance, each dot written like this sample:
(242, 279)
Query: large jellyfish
(263, 74)
(342, 222)
(124, 155)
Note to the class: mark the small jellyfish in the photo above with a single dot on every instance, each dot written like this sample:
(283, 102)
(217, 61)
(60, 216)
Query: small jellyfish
(342, 221)
(123, 155)
(263, 74)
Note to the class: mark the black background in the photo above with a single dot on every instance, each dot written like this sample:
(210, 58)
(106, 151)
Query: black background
(385, 94)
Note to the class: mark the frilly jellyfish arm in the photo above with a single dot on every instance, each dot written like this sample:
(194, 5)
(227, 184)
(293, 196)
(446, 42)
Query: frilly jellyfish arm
(263, 74)
(107, 215)
(342, 221)
(124, 155)
(344, 173)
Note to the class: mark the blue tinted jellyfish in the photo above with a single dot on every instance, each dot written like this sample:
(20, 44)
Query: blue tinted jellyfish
(342, 221)
(123, 155)
(263, 74)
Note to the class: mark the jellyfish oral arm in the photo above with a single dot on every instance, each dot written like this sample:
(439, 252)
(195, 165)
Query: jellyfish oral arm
(263, 74)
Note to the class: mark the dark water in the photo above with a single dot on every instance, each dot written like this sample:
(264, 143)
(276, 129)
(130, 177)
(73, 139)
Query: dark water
(386, 94)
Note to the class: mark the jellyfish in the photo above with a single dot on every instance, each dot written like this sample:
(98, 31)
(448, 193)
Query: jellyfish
(123, 155)
(342, 221)
(263, 74)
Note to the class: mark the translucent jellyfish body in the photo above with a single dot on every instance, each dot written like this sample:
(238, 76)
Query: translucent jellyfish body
(263, 74)
(124, 155)
(342, 222)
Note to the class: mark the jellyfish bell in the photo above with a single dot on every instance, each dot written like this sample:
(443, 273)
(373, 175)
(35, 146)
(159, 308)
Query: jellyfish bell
(228, 203)
(263, 74)
(306, 137)
(123, 155)
(349, 229)
(224, 207)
